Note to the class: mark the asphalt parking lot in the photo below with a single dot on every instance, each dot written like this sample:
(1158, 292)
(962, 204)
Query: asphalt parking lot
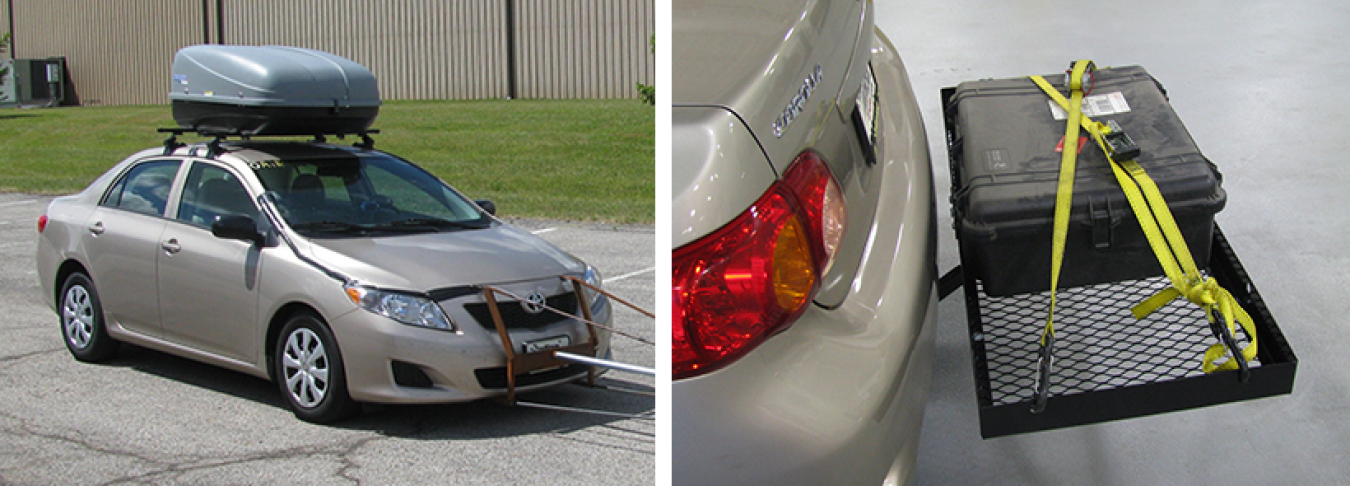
(148, 417)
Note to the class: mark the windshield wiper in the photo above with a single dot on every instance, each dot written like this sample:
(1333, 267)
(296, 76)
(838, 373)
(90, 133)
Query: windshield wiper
(329, 226)
(434, 223)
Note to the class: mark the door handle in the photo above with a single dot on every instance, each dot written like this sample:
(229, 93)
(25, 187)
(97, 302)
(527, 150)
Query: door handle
(171, 246)
(97, 228)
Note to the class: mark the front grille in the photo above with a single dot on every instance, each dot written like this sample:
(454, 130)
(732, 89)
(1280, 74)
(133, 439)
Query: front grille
(515, 317)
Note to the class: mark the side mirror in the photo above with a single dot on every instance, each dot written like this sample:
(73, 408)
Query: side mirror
(236, 227)
(487, 205)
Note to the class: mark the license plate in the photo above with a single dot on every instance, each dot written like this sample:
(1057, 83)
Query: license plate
(547, 344)
(867, 107)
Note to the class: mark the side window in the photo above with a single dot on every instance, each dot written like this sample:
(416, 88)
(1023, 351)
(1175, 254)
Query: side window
(144, 188)
(211, 192)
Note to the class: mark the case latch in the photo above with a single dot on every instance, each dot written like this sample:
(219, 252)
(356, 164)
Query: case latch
(1100, 218)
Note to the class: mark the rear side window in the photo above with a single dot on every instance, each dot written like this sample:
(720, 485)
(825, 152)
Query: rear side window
(144, 188)
(212, 192)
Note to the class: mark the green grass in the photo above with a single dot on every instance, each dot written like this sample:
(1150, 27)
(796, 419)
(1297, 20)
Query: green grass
(589, 160)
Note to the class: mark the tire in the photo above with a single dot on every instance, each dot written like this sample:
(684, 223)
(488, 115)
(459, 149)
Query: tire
(82, 325)
(308, 370)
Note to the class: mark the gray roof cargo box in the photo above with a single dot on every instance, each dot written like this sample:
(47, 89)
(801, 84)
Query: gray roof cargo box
(271, 90)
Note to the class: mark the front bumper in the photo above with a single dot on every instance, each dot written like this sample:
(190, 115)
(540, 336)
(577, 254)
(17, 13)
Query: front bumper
(837, 398)
(389, 362)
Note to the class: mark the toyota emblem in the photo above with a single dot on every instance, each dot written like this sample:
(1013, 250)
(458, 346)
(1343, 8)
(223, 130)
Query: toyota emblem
(534, 303)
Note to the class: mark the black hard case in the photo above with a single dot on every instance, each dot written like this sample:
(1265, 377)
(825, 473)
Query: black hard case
(1003, 139)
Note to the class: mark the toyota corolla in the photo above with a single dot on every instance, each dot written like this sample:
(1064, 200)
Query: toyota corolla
(344, 274)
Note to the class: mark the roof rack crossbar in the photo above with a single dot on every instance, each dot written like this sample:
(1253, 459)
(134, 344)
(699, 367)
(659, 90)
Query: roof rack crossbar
(214, 148)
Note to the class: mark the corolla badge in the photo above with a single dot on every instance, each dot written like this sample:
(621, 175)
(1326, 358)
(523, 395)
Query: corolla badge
(798, 102)
(533, 303)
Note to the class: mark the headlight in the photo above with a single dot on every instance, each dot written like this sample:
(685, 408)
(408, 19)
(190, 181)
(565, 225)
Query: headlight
(410, 309)
(593, 277)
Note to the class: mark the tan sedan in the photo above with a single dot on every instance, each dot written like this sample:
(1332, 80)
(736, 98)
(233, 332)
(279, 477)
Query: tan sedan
(344, 274)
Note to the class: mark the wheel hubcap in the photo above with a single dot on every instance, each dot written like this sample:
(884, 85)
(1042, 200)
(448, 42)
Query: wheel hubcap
(304, 362)
(77, 315)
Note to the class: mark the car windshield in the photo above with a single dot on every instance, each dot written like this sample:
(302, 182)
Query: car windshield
(373, 195)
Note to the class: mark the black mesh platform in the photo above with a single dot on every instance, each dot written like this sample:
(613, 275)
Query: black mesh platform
(1109, 365)
(1100, 344)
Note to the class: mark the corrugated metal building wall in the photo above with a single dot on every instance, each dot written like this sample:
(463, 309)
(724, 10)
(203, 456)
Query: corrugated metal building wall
(585, 47)
(115, 50)
(120, 51)
(418, 49)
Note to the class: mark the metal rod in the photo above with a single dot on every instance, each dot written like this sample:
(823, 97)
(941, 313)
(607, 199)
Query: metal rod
(545, 406)
(604, 363)
(620, 389)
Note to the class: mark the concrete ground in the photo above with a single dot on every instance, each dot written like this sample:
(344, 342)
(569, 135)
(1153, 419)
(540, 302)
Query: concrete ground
(1261, 86)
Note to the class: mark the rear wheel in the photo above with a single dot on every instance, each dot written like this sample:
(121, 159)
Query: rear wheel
(309, 371)
(82, 325)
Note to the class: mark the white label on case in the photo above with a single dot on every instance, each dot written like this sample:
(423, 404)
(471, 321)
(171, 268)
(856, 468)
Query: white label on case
(1095, 105)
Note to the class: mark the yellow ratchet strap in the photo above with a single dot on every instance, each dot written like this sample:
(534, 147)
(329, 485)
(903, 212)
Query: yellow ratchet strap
(1155, 219)
(1063, 205)
(1064, 194)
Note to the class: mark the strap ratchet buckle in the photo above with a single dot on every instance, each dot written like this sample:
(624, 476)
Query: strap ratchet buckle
(1122, 147)
(1083, 83)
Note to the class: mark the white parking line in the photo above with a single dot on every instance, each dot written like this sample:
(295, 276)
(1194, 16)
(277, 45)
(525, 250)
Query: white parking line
(630, 275)
(542, 231)
(17, 203)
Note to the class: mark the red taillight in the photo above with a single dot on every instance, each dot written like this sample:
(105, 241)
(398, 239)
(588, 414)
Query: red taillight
(42, 223)
(755, 276)
(821, 200)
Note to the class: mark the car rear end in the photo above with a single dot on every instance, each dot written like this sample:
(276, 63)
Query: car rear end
(804, 248)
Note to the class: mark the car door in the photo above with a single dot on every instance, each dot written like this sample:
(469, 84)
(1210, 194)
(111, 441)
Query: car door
(208, 287)
(122, 240)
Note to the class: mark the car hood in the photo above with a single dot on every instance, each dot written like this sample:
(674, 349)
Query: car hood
(422, 262)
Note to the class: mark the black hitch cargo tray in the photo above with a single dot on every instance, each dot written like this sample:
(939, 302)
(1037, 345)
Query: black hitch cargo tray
(1108, 365)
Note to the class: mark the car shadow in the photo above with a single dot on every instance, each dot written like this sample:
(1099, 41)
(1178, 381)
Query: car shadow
(484, 419)
(197, 374)
(487, 419)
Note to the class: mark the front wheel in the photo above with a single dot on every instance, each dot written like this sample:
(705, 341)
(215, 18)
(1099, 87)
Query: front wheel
(82, 325)
(308, 369)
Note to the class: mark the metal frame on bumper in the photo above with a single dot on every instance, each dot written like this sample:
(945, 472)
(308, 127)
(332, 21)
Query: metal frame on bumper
(522, 363)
